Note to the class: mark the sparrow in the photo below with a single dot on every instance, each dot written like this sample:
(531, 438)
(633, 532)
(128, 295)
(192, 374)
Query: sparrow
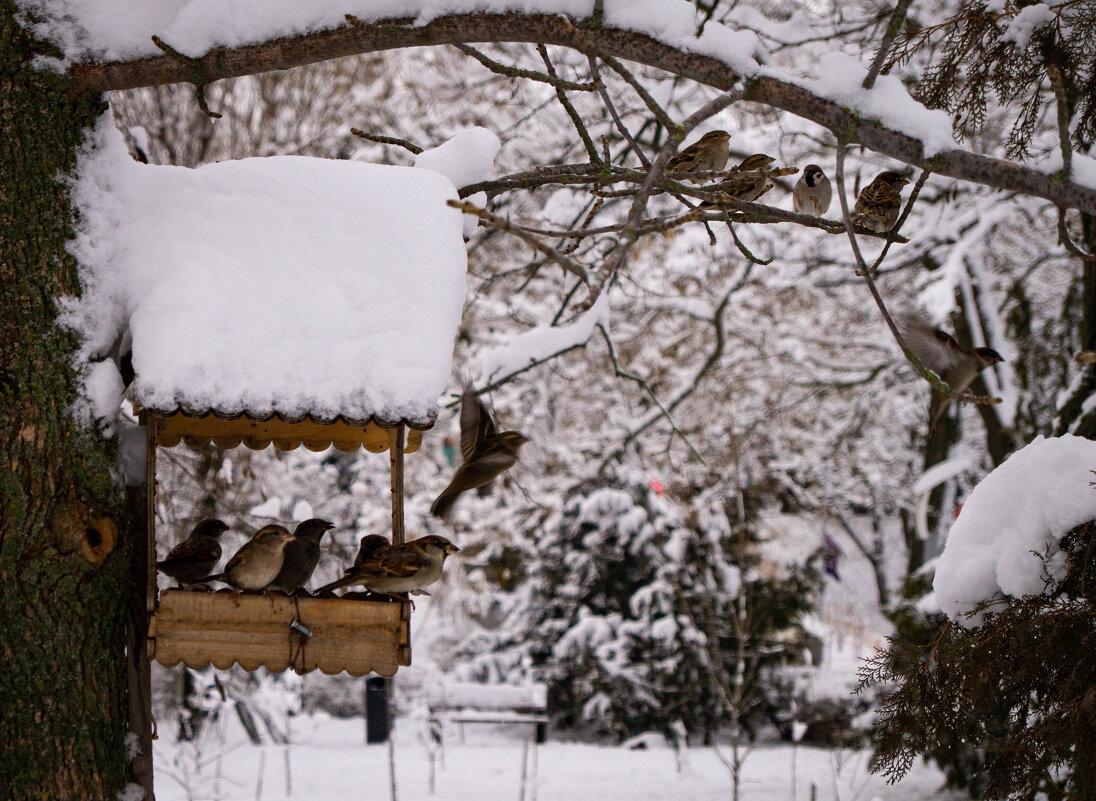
(301, 555)
(409, 567)
(812, 192)
(747, 187)
(371, 545)
(709, 152)
(259, 560)
(941, 353)
(486, 454)
(191, 560)
(879, 202)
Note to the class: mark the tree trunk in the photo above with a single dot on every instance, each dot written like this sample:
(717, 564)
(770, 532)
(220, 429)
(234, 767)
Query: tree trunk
(64, 567)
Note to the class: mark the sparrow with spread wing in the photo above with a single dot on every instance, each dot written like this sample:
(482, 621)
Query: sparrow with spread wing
(258, 561)
(812, 192)
(941, 353)
(410, 567)
(301, 555)
(709, 152)
(190, 561)
(486, 453)
(880, 202)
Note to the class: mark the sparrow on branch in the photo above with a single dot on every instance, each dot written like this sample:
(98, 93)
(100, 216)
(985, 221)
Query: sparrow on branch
(751, 185)
(812, 192)
(301, 556)
(259, 560)
(190, 561)
(880, 202)
(709, 152)
(486, 453)
(410, 567)
(941, 353)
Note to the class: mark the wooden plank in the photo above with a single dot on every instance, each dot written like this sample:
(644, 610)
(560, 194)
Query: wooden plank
(258, 434)
(199, 628)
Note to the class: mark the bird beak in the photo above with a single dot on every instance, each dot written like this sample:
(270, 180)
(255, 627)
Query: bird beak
(451, 548)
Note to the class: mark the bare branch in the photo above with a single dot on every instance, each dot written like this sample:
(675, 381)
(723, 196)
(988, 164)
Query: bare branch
(576, 119)
(518, 72)
(612, 109)
(894, 25)
(386, 140)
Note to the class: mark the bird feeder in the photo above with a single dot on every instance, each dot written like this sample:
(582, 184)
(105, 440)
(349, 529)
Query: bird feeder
(276, 631)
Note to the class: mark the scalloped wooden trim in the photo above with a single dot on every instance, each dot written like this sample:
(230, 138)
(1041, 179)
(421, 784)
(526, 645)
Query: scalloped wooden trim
(222, 629)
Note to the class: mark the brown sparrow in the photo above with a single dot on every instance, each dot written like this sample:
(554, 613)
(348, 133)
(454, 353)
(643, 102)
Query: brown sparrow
(486, 453)
(409, 567)
(371, 546)
(190, 561)
(880, 202)
(709, 152)
(301, 555)
(812, 192)
(939, 352)
(747, 187)
(258, 561)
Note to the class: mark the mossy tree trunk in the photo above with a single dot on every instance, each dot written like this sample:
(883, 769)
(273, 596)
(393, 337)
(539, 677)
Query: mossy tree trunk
(64, 570)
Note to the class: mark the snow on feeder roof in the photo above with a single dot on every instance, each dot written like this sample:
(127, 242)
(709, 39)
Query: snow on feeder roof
(282, 290)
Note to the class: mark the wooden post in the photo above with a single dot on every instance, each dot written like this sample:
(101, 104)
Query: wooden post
(140, 503)
(395, 449)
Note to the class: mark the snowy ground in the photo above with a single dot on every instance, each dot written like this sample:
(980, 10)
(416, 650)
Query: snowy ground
(329, 761)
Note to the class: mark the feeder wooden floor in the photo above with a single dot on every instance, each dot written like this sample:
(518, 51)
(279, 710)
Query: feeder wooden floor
(358, 636)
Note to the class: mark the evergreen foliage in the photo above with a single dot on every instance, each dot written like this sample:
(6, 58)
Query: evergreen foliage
(1011, 703)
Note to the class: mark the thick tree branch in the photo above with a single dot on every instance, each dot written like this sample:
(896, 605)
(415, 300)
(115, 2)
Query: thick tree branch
(393, 34)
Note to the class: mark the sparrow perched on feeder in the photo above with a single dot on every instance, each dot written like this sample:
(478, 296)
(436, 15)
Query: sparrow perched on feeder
(409, 567)
(259, 560)
(486, 453)
(301, 556)
(941, 353)
(371, 546)
(880, 202)
(190, 561)
(747, 187)
(709, 152)
(812, 192)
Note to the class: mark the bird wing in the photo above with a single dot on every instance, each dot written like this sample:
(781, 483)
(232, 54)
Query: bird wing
(880, 193)
(194, 549)
(237, 559)
(396, 562)
(475, 423)
(937, 350)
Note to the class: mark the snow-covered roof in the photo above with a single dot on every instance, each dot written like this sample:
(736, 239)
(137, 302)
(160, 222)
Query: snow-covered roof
(289, 285)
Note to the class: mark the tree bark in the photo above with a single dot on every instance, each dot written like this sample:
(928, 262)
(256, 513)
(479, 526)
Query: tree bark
(64, 565)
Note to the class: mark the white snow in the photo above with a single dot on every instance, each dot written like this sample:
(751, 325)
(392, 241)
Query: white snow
(542, 342)
(271, 507)
(466, 158)
(1020, 28)
(103, 384)
(289, 284)
(302, 510)
(1016, 514)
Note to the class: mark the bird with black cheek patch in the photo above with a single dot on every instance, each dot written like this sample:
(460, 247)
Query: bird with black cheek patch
(709, 152)
(191, 560)
(487, 453)
(940, 352)
(812, 192)
(880, 202)
(301, 556)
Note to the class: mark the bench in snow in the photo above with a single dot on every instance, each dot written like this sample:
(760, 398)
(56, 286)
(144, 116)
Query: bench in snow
(491, 703)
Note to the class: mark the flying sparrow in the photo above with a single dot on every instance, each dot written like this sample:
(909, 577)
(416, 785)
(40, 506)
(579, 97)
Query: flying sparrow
(879, 202)
(939, 352)
(190, 561)
(709, 152)
(486, 453)
(409, 567)
(258, 561)
(747, 187)
(301, 555)
(812, 192)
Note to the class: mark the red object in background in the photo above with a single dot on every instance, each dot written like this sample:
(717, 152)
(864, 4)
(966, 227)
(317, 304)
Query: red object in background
(958, 509)
(657, 488)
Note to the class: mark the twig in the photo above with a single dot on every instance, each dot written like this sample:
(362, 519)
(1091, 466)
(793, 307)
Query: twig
(518, 72)
(570, 265)
(387, 140)
(1062, 104)
(894, 25)
(576, 119)
(196, 78)
(610, 106)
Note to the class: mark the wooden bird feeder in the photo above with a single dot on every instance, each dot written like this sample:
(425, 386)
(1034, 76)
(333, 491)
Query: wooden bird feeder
(276, 631)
